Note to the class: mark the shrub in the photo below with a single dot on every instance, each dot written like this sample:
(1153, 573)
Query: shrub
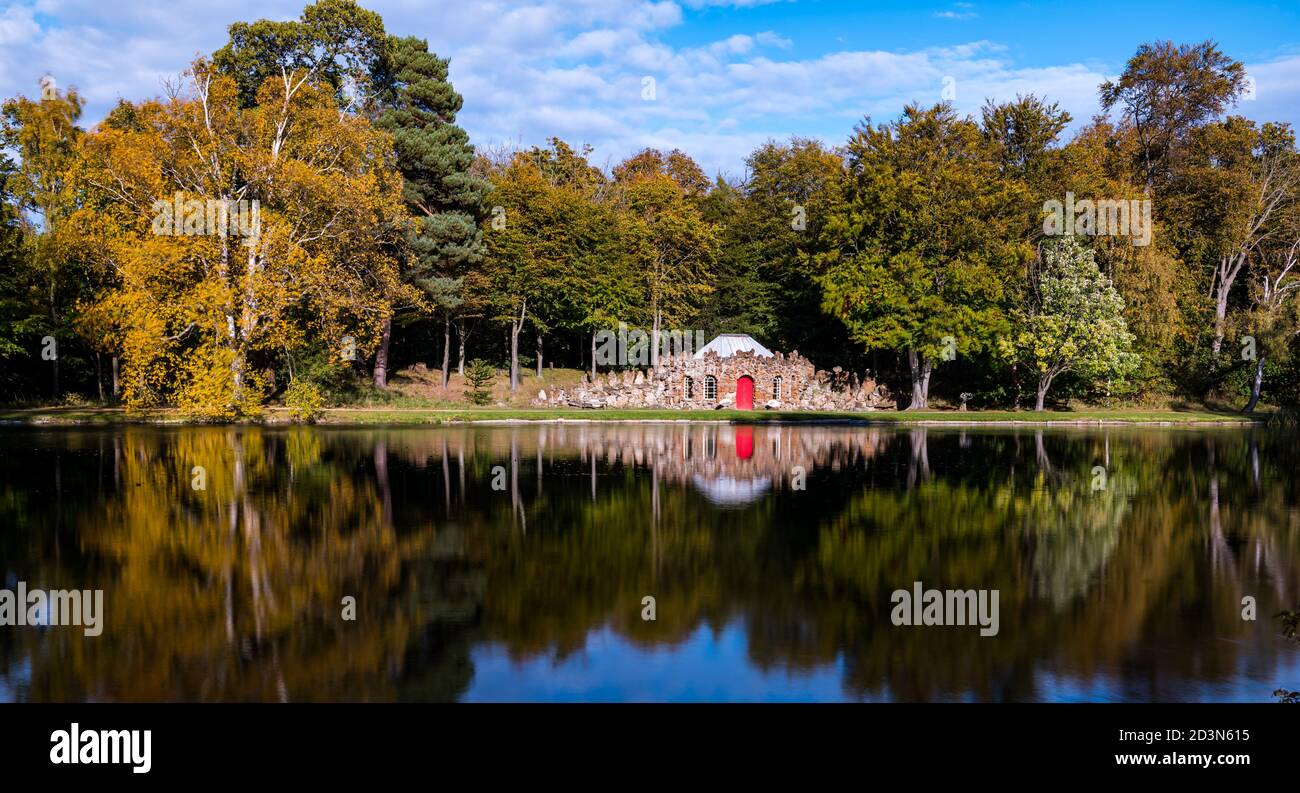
(304, 400)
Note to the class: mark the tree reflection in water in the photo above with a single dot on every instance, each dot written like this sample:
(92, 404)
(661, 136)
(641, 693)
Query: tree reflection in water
(234, 592)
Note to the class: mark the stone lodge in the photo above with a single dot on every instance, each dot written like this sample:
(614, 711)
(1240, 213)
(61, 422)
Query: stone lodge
(733, 370)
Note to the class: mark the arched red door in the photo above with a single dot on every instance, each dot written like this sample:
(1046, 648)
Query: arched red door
(745, 393)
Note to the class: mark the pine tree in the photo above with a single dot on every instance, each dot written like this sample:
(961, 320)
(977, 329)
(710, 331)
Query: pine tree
(434, 156)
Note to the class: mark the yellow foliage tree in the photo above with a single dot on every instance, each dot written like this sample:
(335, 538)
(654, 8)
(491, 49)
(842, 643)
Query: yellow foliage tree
(235, 234)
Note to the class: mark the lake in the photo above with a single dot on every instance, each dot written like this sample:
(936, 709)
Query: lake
(523, 562)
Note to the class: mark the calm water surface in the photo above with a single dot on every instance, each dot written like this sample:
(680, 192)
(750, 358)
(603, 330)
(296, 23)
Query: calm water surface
(510, 563)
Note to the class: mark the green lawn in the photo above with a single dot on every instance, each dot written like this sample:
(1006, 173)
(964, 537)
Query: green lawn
(393, 415)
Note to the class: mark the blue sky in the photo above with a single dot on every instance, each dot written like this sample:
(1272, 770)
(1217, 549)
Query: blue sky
(728, 74)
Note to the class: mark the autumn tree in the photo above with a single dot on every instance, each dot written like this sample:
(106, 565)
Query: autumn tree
(1272, 316)
(1235, 177)
(240, 233)
(1162, 296)
(676, 165)
(1165, 92)
(1273, 320)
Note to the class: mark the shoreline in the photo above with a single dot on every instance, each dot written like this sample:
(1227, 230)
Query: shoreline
(406, 417)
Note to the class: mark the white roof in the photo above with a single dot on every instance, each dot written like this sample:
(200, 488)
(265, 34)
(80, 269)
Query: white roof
(724, 491)
(728, 344)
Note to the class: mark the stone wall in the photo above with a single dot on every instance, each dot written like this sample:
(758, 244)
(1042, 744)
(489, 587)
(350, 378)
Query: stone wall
(683, 382)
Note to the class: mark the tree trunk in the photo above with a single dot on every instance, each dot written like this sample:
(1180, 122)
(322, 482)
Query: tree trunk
(539, 355)
(99, 376)
(381, 355)
(920, 368)
(460, 360)
(1042, 394)
(1225, 275)
(446, 351)
(593, 356)
(920, 460)
(514, 355)
(1255, 386)
(54, 323)
(54, 375)
(1220, 314)
(654, 341)
(516, 327)
(116, 383)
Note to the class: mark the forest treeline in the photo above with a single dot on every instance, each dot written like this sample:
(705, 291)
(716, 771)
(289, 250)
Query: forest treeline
(299, 216)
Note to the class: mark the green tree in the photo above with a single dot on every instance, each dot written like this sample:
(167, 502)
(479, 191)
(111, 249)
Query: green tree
(45, 135)
(675, 248)
(785, 207)
(742, 300)
(335, 42)
(13, 307)
(530, 246)
(586, 278)
(1075, 322)
(924, 240)
(604, 282)
(479, 374)
(1023, 137)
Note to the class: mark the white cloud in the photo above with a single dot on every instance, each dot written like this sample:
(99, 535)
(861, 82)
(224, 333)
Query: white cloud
(770, 39)
(16, 25)
(530, 69)
(959, 11)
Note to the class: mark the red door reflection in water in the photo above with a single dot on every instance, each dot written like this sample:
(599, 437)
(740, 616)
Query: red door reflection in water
(744, 442)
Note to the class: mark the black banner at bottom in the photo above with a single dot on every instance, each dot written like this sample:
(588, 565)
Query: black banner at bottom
(147, 743)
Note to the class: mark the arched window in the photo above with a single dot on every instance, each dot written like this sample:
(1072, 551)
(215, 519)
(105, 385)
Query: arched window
(710, 387)
(689, 388)
(776, 387)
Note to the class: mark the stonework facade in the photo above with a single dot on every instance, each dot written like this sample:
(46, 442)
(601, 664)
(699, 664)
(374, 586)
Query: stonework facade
(775, 382)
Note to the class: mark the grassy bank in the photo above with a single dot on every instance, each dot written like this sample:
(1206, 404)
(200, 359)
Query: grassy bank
(404, 415)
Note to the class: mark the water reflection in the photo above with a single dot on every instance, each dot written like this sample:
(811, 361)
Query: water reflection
(510, 562)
